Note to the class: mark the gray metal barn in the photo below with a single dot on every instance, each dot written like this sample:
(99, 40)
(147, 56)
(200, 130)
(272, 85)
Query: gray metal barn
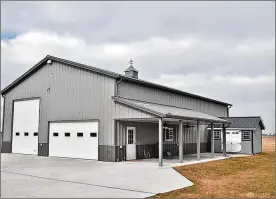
(66, 109)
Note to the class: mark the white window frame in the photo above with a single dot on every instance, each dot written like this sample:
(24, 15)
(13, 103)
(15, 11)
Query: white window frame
(217, 133)
(247, 139)
(170, 131)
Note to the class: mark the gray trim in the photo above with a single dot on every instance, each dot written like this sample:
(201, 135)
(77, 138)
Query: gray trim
(6, 147)
(26, 99)
(107, 153)
(252, 142)
(3, 119)
(43, 149)
(73, 121)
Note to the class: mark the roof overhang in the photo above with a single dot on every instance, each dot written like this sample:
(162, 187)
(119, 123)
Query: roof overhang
(187, 115)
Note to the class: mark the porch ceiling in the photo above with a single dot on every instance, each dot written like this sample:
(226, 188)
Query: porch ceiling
(169, 113)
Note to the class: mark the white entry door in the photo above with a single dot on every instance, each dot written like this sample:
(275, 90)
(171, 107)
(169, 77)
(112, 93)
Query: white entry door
(74, 140)
(25, 127)
(131, 143)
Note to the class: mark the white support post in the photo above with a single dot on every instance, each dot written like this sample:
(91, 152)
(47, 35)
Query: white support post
(180, 133)
(212, 140)
(198, 142)
(224, 139)
(160, 129)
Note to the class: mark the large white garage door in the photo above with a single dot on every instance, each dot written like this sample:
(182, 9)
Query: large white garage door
(74, 140)
(25, 126)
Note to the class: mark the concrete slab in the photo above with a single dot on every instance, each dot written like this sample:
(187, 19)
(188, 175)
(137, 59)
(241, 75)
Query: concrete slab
(32, 176)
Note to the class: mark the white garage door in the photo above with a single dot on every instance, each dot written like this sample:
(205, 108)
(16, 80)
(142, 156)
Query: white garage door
(25, 126)
(74, 140)
(233, 141)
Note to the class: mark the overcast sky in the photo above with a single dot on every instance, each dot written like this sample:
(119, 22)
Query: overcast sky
(221, 50)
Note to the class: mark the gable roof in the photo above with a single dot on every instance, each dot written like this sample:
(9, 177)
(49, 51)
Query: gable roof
(104, 72)
(131, 68)
(243, 122)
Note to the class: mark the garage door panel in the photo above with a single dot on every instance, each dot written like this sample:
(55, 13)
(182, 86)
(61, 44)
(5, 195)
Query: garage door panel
(74, 140)
(25, 126)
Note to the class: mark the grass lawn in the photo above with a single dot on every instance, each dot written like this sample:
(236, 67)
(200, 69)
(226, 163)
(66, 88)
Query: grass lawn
(239, 177)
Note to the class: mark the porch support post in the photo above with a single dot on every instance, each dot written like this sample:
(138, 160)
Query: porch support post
(198, 141)
(180, 133)
(224, 139)
(160, 129)
(212, 140)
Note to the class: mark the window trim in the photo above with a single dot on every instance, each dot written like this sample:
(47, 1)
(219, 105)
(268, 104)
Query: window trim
(169, 130)
(216, 131)
(249, 137)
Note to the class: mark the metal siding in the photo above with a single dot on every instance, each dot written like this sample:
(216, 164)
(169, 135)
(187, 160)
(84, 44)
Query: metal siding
(257, 140)
(122, 111)
(75, 95)
(146, 93)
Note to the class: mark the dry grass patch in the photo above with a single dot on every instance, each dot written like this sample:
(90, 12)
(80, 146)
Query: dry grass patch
(246, 177)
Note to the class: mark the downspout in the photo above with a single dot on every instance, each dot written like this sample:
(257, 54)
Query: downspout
(117, 83)
(228, 110)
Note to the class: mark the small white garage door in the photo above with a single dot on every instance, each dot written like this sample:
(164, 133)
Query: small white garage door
(233, 141)
(25, 126)
(74, 140)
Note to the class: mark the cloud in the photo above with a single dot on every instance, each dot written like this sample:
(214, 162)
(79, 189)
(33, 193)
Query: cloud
(222, 50)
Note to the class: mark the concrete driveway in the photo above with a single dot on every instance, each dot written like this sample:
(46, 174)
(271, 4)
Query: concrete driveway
(33, 176)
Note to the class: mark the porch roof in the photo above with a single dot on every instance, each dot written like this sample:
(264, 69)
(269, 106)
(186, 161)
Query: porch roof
(166, 111)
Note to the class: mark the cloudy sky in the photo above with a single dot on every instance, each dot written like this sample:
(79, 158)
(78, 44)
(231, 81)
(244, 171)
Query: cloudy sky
(221, 50)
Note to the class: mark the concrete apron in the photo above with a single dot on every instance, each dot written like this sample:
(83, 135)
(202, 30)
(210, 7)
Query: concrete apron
(128, 180)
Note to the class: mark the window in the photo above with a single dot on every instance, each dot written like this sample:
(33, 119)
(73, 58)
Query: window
(168, 134)
(80, 134)
(17, 133)
(55, 134)
(26, 134)
(93, 134)
(216, 135)
(228, 132)
(67, 134)
(246, 136)
(35, 133)
(130, 138)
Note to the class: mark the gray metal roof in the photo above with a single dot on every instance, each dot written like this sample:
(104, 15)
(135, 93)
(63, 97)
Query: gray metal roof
(104, 72)
(131, 68)
(169, 111)
(243, 122)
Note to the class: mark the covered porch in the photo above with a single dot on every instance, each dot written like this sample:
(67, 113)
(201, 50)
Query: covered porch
(147, 127)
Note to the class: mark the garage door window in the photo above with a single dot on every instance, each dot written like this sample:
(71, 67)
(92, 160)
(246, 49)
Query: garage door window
(26, 134)
(35, 133)
(93, 134)
(17, 133)
(216, 135)
(55, 134)
(80, 134)
(246, 136)
(67, 134)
